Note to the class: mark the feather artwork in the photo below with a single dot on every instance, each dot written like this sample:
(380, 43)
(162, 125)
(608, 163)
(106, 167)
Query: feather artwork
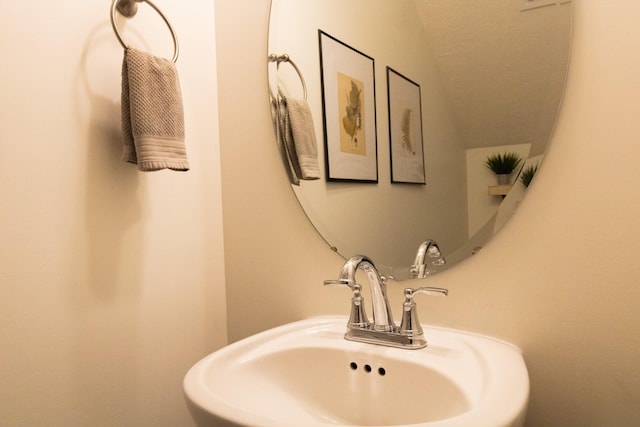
(405, 128)
(352, 121)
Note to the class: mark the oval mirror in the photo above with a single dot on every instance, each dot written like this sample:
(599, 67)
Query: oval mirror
(488, 77)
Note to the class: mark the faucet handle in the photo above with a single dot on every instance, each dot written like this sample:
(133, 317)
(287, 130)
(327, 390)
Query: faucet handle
(358, 317)
(344, 282)
(410, 324)
(428, 290)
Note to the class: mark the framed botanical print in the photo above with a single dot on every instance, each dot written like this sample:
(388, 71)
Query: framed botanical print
(405, 129)
(349, 112)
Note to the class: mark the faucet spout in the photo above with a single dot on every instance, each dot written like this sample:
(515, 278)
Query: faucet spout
(382, 317)
(427, 249)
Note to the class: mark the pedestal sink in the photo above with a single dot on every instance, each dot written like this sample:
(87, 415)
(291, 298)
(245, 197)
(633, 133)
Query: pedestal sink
(306, 374)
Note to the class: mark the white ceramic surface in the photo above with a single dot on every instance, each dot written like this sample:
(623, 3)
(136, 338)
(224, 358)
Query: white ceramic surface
(306, 374)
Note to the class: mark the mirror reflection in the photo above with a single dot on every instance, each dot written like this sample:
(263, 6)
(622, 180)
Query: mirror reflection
(490, 75)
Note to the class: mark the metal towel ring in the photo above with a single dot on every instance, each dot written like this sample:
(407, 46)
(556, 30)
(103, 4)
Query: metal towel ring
(285, 58)
(129, 8)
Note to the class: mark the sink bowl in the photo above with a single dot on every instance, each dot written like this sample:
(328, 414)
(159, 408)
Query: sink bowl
(306, 374)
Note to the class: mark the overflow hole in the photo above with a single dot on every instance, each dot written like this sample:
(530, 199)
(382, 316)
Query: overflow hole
(381, 371)
(353, 365)
(367, 368)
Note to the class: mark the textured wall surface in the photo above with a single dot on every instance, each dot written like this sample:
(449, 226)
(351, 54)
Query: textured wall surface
(503, 68)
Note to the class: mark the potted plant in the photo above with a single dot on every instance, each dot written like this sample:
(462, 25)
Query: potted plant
(503, 165)
(527, 174)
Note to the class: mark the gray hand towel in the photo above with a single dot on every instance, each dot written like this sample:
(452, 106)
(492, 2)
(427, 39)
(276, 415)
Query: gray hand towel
(301, 131)
(278, 115)
(152, 113)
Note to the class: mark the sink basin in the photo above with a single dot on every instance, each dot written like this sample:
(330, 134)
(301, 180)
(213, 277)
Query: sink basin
(306, 374)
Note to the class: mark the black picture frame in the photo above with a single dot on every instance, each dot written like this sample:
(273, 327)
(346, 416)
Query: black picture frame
(406, 136)
(349, 111)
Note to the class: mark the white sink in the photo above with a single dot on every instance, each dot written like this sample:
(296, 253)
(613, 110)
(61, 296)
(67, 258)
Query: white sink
(306, 374)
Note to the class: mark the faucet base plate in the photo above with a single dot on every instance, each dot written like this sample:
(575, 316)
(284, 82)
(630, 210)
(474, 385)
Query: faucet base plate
(389, 339)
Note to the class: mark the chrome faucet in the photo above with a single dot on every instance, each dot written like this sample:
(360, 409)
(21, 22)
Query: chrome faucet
(427, 249)
(382, 316)
(382, 330)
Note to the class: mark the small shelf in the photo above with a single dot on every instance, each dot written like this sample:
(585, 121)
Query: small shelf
(499, 190)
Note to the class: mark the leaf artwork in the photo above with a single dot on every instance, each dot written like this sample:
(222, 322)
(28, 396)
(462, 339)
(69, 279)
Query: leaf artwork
(405, 128)
(352, 121)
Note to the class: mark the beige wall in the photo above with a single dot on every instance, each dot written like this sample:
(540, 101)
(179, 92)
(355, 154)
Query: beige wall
(561, 280)
(111, 280)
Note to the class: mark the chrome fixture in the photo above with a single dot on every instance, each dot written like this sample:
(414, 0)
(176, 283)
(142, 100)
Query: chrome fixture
(427, 251)
(382, 330)
(410, 325)
(128, 9)
(382, 317)
(286, 58)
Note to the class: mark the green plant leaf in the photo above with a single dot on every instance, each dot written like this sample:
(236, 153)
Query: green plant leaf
(503, 163)
(527, 174)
